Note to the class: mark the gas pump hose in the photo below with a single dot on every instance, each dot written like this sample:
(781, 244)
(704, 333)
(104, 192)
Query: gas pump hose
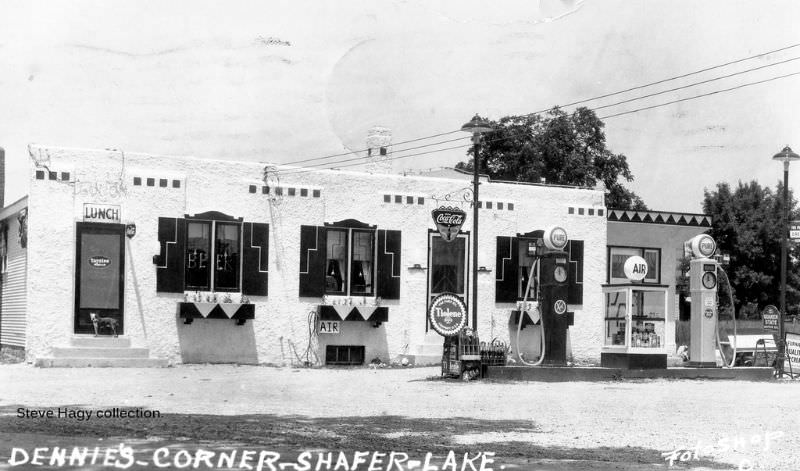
(725, 363)
(534, 271)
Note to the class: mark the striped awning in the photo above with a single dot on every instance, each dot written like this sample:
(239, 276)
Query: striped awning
(345, 312)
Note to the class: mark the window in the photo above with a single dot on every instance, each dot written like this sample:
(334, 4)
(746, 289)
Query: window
(448, 265)
(212, 252)
(345, 355)
(616, 263)
(351, 255)
(525, 264)
(349, 258)
(218, 268)
(3, 248)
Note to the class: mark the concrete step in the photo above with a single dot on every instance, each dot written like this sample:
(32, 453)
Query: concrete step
(101, 362)
(100, 352)
(100, 342)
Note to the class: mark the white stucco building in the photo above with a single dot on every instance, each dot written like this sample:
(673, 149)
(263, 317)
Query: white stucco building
(355, 248)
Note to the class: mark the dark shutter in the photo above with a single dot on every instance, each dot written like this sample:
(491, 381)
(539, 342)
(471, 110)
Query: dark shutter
(389, 264)
(575, 293)
(506, 268)
(255, 259)
(313, 253)
(169, 263)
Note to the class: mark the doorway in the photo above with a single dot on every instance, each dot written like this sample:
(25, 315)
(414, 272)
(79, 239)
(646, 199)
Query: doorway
(447, 273)
(99, 275)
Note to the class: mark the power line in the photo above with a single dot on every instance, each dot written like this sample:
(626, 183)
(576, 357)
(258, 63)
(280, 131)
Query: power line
(695, 84)
(639, 87)
(361, 162)
(700, 96)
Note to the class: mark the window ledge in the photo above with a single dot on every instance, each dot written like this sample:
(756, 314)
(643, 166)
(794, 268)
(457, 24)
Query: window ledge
(189, 311)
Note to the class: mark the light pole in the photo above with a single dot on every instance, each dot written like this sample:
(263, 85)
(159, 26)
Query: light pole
(786, 155)
(476, 126)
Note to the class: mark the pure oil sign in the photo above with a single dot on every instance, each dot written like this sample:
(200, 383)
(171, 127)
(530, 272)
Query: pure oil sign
(109, 213)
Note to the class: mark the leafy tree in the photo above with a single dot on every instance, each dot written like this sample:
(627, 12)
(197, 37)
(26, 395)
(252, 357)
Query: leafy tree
(747, 224)
(567, 149)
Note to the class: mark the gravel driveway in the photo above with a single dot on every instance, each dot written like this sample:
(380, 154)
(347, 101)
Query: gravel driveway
(527, 425)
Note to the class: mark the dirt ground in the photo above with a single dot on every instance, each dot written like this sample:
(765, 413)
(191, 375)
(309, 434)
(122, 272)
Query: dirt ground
(623, 425)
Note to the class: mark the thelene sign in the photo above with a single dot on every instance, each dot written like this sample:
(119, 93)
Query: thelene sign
(101, 213)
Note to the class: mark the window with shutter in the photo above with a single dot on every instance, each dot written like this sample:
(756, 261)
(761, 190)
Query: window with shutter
(389, 246)
(255, 263)
(506, 268)
(313, 254)
(169, 262)
(575, 272)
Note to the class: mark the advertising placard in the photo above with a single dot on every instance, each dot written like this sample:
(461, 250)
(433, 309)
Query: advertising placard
(448, 221)
(794, 230)
(447, 314)
(770, 315)
(792, 352)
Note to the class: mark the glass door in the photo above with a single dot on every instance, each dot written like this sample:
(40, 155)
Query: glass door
(447, 262)
(99, 276)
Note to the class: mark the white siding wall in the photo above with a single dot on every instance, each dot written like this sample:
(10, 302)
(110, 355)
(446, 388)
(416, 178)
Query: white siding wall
(281, 318)
(12, 330)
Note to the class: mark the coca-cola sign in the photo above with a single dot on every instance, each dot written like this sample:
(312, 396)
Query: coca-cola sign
(448, 221)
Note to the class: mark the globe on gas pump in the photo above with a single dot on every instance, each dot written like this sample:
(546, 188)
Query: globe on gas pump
(703, 289)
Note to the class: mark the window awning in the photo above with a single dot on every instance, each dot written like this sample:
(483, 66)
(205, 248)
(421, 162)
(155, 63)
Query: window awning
(345, 312)
(190, 311)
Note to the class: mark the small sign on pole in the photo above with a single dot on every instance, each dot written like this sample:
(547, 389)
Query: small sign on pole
(794, 230)
(770, 315)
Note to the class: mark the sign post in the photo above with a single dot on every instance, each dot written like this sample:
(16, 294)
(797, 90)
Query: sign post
(770, 316)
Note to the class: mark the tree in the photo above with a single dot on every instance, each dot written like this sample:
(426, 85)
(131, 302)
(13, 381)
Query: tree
(747, 224)
(566, 149)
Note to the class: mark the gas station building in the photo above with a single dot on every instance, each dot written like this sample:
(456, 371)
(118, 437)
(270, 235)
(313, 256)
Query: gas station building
(196, 260)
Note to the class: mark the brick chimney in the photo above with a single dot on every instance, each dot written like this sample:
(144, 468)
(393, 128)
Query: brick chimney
(379, 150)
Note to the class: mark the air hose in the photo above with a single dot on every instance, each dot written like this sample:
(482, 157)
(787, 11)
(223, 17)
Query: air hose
(534, 271)
(725, 363)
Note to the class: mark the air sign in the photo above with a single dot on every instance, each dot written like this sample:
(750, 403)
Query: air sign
(635, 268)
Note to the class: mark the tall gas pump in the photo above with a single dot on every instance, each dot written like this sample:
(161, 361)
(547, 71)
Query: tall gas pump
(703, 285)
(550, 272)
(553, 304)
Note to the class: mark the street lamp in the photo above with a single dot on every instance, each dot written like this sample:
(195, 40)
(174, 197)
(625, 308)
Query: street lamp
(476, 126)
(786, 155)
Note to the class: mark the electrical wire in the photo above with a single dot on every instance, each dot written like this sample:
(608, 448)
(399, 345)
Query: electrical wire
(360, 160)
(586, 100)
(701, 95)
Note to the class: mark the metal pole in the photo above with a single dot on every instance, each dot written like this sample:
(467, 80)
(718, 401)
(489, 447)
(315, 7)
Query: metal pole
(475, 138)
(784, 243)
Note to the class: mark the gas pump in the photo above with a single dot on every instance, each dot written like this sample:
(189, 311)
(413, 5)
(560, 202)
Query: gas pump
(703, 286)
(550, 271)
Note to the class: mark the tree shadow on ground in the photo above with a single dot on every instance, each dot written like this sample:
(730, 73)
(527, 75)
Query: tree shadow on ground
(294, 433)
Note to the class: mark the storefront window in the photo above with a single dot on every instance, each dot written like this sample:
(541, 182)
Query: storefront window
(618, 255)
(198, 250)
(647, 317)
(616, 311)
(226, 259)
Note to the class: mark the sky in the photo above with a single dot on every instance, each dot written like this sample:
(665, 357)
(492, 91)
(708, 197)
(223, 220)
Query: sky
(283, 81)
